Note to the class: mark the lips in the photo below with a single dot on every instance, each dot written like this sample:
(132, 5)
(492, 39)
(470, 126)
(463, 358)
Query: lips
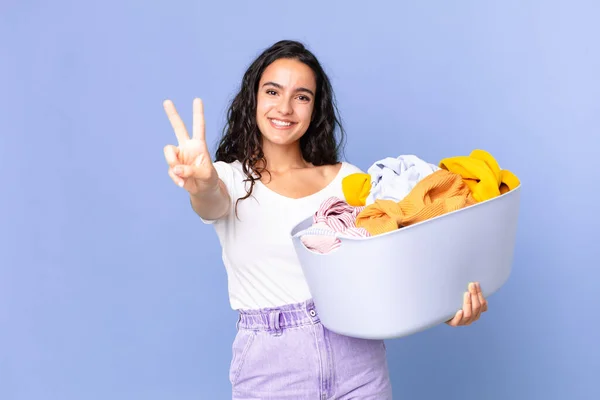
(280, 123)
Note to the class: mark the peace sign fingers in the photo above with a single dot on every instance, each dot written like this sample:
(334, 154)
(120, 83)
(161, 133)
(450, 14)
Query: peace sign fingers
(176, 122)
(199, 127)
(198, 123)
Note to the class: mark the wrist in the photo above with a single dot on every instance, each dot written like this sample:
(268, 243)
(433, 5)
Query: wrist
(207, 191)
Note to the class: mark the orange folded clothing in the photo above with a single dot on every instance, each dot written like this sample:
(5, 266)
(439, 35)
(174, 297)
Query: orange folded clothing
(438, 193)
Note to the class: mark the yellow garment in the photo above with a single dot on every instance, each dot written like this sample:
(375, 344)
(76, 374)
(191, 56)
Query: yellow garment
(436, 194)
(356, 188)
(482, 174)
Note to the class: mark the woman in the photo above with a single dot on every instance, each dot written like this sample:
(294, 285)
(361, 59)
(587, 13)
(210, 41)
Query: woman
(275, 164)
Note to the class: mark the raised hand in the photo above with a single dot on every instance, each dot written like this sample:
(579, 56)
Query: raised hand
(189, 162)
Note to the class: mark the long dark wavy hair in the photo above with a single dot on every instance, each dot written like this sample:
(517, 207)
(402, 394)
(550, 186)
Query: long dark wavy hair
(241, 139)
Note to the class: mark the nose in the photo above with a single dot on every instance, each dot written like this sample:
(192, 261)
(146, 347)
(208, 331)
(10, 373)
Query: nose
(284, 107)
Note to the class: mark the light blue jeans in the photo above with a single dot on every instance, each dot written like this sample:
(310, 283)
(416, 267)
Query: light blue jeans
(286, 353)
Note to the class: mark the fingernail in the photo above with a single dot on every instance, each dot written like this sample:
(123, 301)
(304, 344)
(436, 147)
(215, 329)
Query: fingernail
(177, 170)
(180, 183)
(478, 286)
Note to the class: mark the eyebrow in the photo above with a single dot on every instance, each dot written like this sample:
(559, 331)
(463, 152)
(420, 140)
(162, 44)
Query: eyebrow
(278, 86)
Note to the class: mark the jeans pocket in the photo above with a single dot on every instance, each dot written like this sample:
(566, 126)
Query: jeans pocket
(241, 344)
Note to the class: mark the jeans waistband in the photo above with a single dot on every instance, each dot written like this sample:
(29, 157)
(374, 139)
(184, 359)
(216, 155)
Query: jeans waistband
(278, 318)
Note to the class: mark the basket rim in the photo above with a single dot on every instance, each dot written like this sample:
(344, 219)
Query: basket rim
(430, 220)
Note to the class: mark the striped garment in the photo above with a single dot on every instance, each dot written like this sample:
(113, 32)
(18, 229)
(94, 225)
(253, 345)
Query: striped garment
(334, 215)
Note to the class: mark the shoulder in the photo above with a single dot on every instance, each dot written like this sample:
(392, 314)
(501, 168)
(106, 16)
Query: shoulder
(228, 167)
(348, 169)
(231, 173)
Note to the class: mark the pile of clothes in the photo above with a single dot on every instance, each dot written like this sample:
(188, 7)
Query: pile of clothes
(398, 192)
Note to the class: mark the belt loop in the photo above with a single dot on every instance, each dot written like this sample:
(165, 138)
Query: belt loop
(239, 319)
(274, 322)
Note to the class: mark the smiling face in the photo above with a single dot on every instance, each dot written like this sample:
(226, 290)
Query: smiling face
(285, 101)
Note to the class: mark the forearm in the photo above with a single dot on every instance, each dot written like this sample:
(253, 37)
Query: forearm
(212, 203)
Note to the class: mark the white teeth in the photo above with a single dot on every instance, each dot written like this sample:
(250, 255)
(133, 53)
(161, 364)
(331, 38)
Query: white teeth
(281, 123)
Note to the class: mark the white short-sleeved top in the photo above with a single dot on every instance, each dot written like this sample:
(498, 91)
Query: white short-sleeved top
(259, 257)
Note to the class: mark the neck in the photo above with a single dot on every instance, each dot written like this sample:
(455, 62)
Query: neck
(283, 158)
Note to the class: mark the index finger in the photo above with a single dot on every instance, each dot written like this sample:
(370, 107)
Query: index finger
(176, 122)
(198, 127)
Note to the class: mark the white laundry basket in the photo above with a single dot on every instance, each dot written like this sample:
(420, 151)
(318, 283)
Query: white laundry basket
(411, 279)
